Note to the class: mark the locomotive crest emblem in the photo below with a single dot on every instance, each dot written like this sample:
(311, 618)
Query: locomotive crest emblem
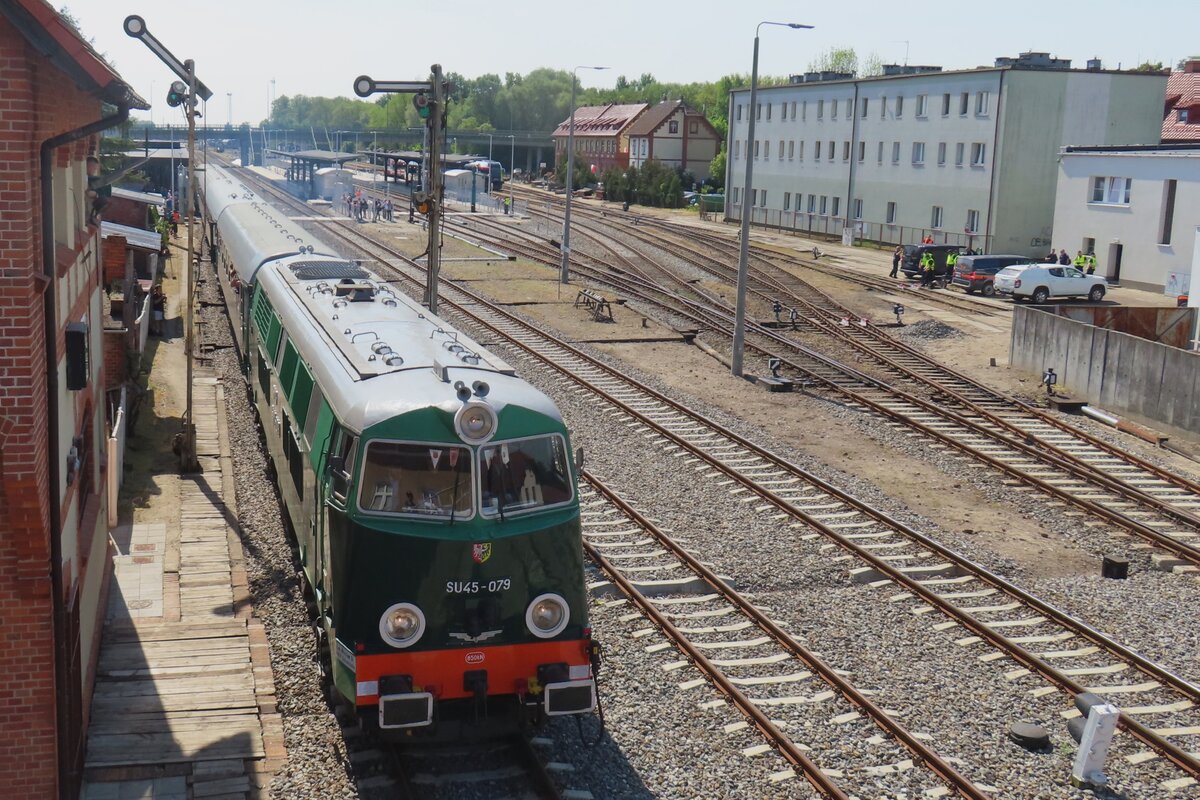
(481, 552)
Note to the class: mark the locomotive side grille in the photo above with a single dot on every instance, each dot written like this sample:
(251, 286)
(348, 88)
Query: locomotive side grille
(327, 270)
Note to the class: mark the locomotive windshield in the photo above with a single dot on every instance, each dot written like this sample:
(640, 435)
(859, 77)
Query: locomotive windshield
(433, 480)
(524, 475)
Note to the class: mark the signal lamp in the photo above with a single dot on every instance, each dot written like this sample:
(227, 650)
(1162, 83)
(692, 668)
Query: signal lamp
(177, 94)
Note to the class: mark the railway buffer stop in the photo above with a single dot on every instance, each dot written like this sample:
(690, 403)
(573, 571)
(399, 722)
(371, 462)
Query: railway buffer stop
(302, 166)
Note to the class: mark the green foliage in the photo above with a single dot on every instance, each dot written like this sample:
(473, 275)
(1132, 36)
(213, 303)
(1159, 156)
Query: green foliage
(835, 59)
(655, 184)
(716, 170)
(1149, 66)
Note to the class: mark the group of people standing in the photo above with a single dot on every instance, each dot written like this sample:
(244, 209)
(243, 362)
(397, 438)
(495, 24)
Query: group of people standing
(358, 206)
(1085, 262)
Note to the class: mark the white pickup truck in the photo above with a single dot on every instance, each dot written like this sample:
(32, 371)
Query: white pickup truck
(1040, 282)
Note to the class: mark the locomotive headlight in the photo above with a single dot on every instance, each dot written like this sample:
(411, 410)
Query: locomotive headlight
(402, 625)
(547, 615)
(475, 422)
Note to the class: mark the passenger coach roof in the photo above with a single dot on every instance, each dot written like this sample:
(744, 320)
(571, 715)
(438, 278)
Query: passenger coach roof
(376, 352)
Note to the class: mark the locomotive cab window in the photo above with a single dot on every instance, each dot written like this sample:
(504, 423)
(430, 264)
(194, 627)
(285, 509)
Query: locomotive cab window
(524, 475)
(427, 480)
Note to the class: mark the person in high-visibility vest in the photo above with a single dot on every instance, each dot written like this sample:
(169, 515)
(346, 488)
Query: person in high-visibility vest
(927, 267)
(951, 261)
(1080, 261)
(1090, 260)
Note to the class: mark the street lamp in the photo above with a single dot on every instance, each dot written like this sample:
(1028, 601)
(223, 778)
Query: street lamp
(739, 330)
(512, 163)
(564, 271)
(229, 111)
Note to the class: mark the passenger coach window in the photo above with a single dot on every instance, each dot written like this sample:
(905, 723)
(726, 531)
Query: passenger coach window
(433, 480)
(524, 475)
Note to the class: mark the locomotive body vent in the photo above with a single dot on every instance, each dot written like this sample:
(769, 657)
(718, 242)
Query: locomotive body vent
(328, 270)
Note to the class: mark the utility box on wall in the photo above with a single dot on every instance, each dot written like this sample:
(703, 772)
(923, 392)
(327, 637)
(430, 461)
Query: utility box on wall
(77, 356)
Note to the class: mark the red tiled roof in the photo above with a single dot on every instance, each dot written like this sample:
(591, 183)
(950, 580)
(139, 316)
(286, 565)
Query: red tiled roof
(56, 38)
(1183, 94)
(609, 120)
(649, 122)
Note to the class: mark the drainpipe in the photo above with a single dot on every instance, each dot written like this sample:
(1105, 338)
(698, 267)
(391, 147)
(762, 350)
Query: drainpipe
(66, 771)
(853, 160)
(987, 229)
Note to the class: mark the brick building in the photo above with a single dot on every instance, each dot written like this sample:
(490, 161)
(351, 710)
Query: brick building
(1181, 112)
(56, 96)
(676, 135)
(601, 135)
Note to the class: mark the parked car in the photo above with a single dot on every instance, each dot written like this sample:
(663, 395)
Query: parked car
(911, 265)
(975, 273)
(1040, 282)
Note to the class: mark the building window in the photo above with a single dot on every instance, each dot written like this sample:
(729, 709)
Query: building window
(964, 103)
(824, 204)
(833, 109)
(832, 152)
(922, 104)
(849, 108)
(768, 112)
(787, 200)
(935, 220)
(881, 152)
(758, 111)
(737, 149)
(891, 213)
(737, 193)
(791, 149)
(739, 112)
(1111, 191)
(673, 126)
(817, 150)
(883, 107)
(862, 152)
(781, 149)
(982, 102)
(801, 149)
(753, 197)
(793, 111)
(812, 203)
(946, 104)
(837, 206)
(863, 112)
(899, 106)
(918, 153)
(978, 154)
(958, 154)
(941, 154)
(1183, 115)
(820, 109)
(1168, 213)
(763, 198)
(858, 208)
(756, 148)
(972, 221)
(845, 151)
(895, 152)
(803, 110)
(766, 149)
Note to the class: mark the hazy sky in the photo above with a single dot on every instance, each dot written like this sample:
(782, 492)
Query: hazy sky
(318, 48)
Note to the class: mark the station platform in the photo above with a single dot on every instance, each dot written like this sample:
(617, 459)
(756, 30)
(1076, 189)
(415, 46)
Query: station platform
(184, 701)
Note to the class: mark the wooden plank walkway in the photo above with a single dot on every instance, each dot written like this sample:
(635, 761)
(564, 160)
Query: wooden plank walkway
(189, 695)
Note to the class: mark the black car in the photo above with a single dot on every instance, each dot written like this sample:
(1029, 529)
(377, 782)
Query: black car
(911, 265)
(976, 273)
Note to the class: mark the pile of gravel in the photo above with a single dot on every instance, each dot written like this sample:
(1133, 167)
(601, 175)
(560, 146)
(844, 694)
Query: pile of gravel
(928, 330)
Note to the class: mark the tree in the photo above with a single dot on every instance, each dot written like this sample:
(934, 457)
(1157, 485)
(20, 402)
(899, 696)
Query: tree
(836, 59)
(1149, 66)
(716, 170)
(871, 65)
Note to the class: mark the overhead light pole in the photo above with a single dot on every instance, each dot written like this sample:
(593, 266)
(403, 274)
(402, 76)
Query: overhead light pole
(512, 163)
(229, 110)
(739, 330)
(564, 275)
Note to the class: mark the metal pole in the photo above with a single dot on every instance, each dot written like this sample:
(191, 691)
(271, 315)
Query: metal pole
(187, 450)
(739, 330)
(436, 184)
(512, 162)
(564, 270)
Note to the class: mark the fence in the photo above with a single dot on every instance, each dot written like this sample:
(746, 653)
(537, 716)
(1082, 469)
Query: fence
(1117, 370)
(115, 473)
(485, 203)
(829, 227)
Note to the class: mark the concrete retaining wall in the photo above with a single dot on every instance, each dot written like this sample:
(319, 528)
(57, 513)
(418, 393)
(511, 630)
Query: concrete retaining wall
(1114, 370)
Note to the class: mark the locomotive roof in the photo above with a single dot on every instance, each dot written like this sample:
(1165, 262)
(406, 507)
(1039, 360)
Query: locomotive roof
(254, 231)
(375, 352)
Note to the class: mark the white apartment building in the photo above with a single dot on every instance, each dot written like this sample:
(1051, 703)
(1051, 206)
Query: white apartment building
(1137, 209)
(967, 157)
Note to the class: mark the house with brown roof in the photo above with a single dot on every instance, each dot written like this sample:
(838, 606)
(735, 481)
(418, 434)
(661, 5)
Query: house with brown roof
(676, 135)
(59, 96)
(601, 135)
(1181, 112)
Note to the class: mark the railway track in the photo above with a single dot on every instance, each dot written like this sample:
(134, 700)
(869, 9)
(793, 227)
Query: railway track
(1123, 494)
(931, 576)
